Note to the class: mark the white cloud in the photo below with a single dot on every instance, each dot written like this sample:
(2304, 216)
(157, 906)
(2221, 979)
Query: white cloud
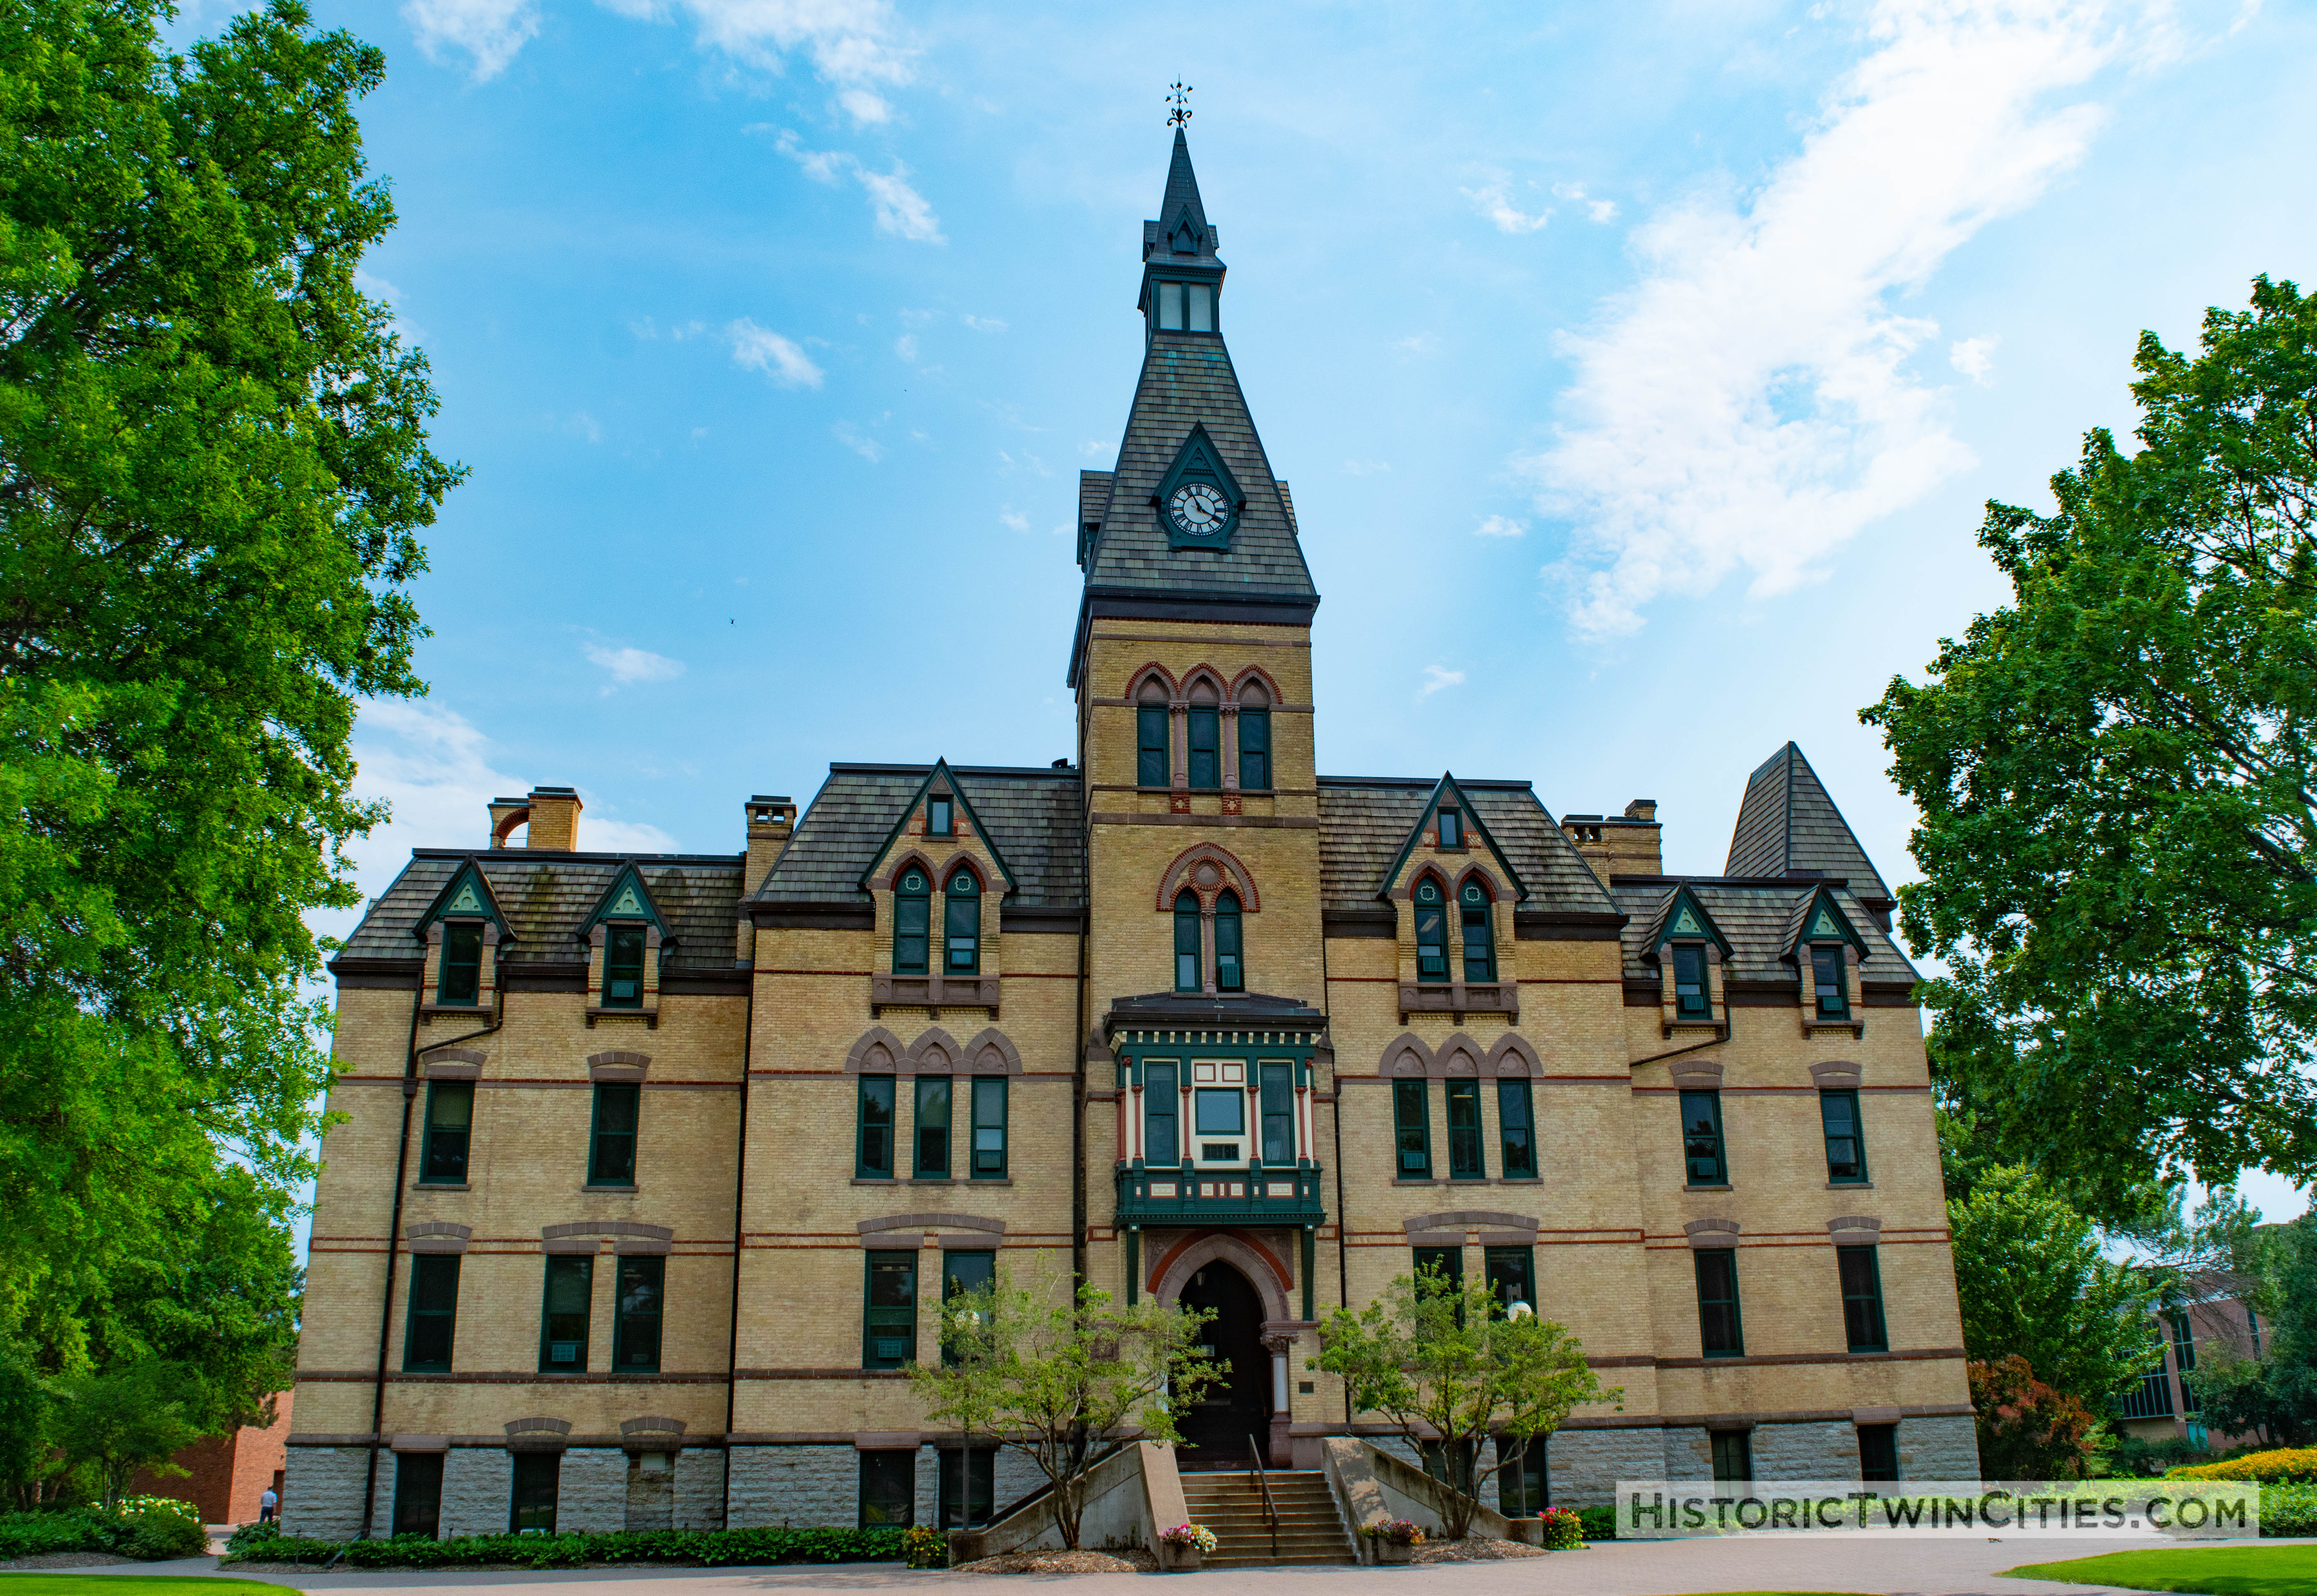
(1595, 210)
(900, 210)
(628, 666)
(1500, 526)
(983, 323)
(1497, 205)
(1437, 677)
(1365, 468)
(1014, 518)
(1748, 402)
(866, 108)
(490, 32)
(761, 349)
(1974, 357)
(906, 346)
(859, 442)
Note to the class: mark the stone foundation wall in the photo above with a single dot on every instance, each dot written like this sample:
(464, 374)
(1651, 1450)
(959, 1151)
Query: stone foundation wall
(322, 1491)
(1688, 1454)
(591, 1494)
(1819, 1450)
(1941, 1449)
(799, 1486)
(698, 1490)
(478, 1491)
(1583, 1467)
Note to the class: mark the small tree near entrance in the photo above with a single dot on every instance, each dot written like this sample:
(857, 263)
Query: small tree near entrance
(1051, 1374)
(1443, 1360)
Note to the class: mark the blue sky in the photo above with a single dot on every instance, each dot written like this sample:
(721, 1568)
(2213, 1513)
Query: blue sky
(1638, 370)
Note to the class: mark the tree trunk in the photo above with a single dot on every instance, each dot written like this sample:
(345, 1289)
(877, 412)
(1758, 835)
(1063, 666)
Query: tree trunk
(1068, 1510)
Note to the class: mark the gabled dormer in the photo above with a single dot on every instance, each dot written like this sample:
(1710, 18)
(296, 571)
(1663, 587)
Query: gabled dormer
(1456, 891)
(1827, 949)
(1198, 500)
(1690, 952)
(626, 935)
(461, 930)
(938, 883)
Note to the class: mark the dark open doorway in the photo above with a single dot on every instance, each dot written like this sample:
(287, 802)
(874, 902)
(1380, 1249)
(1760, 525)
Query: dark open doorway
(1216, 1431)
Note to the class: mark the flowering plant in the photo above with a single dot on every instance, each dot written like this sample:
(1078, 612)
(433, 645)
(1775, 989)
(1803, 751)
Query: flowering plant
(1400, 1532)
(923, 1547)
(1190, 1535)
(1564, 1531)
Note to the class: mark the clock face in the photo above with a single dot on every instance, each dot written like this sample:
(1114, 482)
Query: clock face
(1199, 509)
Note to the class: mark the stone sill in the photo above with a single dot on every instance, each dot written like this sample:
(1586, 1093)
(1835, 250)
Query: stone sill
(628, 1190)
(1706, 1188)
(439, 1186)
(1850, 1186)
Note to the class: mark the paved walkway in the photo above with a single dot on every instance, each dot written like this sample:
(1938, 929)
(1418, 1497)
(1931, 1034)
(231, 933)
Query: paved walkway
(1624, 1568)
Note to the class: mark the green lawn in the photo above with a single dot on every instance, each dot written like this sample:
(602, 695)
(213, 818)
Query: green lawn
(131, 1584)
(2222, 1570)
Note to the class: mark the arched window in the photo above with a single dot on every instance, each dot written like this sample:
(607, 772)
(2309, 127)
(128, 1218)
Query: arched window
(1152, 768)
(1206, 732)
(1254, 738)
(1431, 932)
(1230, 975)
(912, 918)
(961, 924)
(1480, 941)
(1186, 942)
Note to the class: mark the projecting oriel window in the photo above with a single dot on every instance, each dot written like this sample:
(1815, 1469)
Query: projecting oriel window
(1278, 1115)
(1221, 1111)
(1158, 1115)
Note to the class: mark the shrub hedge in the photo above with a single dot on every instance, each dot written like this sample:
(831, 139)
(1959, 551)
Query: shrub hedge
(2288, 1509)
(1600, 1522)
(2288, 1466)
(148, 1529)
(254, 1542)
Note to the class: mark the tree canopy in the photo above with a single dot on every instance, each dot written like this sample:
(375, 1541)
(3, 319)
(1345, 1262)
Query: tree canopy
(2118, 785)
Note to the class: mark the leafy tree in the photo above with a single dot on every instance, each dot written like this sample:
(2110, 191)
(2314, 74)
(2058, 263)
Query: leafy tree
(25, 1443)
(2118, 786)
(1441, 1358)
(2027, 1430)
(2034, 1284)
(213, 468)
(131, 1419)
(2272, 1393)
(1052, 1375)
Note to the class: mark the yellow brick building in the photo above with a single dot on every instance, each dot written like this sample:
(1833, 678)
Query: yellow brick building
(654, 1171)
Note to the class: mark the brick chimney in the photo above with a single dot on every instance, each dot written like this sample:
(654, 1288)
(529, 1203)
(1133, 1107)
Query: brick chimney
(554, 819)
(771, 822)
(1618, 845)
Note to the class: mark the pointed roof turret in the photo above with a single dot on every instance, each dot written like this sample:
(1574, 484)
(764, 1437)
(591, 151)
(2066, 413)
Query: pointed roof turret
(1788, 825)
(1181, 231)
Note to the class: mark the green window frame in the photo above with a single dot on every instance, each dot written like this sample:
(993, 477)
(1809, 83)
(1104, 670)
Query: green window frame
(969, 1486)
(1862, 1299)
(1161, 1103)
(988, 1127)
(623, 966)
(1693, 995)
(450, 1130)
(1219, 1111)
(872, 1146)
(888, 1309)
(1703, 1148)
(1255, 750)
(1450, 825)
(418, 1493)
(941, 815)
(1187, 941)
(962, 924)
(1431, 932)
(1152, 768)
(2184, 1363)
(889, 1489)
(1449, 1261)
(1203, 727)
(1511, 1275)
(1480, 934)
(1231, 970)
(432, 1321)
(929, 1141)
(537, 1480)
(1830, 973)
(1846, 1146)
(1464, 1159)
(1278, 1102)
(1733, 1456)
(566, 1304)
(612, 1138)
(963, 1273)
(1516, 1126)
(1720, 1327)
(637, 1309)
(1411, 1120)
(459, 978)
(1523, 1480)
(1878, 1453)
(912, 921)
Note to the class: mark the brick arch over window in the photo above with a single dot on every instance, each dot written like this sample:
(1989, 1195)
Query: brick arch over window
(1408, 1056)
(1254, 676)
(1202, 678)
(936, 1053)
(1407, 890)
(992, 1052)
(1498, 890)
(878, 1052)
(891, 879)
(1512, 1056)
(950, 868)
(1265, 1273)
(1458, 1055)
(1226, 871)
(1153, 672)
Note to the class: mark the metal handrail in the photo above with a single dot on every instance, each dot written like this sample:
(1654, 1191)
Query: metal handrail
(1263, 1483)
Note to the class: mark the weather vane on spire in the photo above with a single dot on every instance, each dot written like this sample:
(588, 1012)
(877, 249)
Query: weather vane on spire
(1180, 99)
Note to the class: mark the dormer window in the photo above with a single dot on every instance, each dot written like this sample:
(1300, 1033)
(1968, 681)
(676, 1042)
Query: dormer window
(1185, 306)
(962, 924)
(1480, 943)
(1452, 829)
(461, 977)
(1829, 973)
(1691, 997)
(1431, 932)
(623, 967)
(941, 817)
(912, 921)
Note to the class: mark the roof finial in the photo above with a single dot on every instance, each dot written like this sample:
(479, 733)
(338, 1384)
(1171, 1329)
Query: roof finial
(1179, 97)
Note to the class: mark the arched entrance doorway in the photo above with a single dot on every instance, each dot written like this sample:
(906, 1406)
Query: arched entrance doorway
(1216, 1429)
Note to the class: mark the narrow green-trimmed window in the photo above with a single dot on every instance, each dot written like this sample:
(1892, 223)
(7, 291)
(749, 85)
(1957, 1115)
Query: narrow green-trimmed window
(1720, 1331)
(1521, 1480)
(969, 1486)
(1692, 998)
(1278, 1114)
(1452, 829)
(1411, 1119)
(636, 1315)
(1431, 932)
(1186, 942)
(1480, 934)
(538, 1476)
(1512, 1276)
(418, 1493)
(1701, 1138)
(912, 921)
(872, 1158)
(1203, 726)
(989, 1127)
(1878, 1453)
(1440, 1268)
(932, 1127)
(1159, 1106)
(1845, 1150)
(962, 1274)
(563, 1332)
(612, 1158)
(1517, 1124)
(1254, 750)
(1230, 975)
(1862, 1299)
(1464, 1161)
(623, 967)
(1830, 973)
(962, 924)
(1733, 1456)
(1170, 307)
(434, 1314)
(460, 977)
(450, 1124)
(941, 815)
(889, 1317)
(1151, 766)
(888, 1489)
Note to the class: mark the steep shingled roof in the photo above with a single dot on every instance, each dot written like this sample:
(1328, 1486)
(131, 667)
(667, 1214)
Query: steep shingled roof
(549, 898)
(1364, 822)
(1755, 916)
(1788, 822)
(1036, 819)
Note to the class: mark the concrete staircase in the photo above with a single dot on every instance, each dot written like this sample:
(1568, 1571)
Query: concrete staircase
(1310, 1530)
